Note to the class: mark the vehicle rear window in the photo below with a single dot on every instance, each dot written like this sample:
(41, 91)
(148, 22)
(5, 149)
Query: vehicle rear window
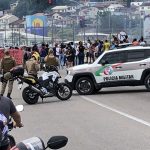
(135, 55)
(147, 53)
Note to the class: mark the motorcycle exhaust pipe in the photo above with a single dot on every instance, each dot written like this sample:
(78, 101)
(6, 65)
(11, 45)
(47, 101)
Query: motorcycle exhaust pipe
(36, 90)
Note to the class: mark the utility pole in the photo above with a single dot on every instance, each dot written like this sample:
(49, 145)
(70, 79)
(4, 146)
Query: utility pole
(97, 26)
(34, 34)
(84, 33)
(5, 34)
(26, 35)
(19, 34)
(73, 31)
(52, 31)
(43, 32)
(12, 35)
(62, 31)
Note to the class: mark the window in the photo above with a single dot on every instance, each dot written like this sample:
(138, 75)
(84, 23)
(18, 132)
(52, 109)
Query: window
(135, 55)
(147, 53)
(114, 57)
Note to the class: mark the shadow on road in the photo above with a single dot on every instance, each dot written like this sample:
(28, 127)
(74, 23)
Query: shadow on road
(46, 101)
(121, 91)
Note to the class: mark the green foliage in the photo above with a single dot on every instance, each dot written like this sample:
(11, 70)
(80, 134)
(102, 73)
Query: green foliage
(21, 11)
(29, 7)
(4, 4)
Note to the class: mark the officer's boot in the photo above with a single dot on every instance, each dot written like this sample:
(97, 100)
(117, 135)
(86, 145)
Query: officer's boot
(8, 95)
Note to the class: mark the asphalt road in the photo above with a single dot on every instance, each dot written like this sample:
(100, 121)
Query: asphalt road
(113, 119)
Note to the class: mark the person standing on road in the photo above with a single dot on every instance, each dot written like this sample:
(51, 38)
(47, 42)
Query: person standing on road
(43, 54)
(7, 109)
(142, 42)
(47, 49)
(56, 50)
(35, 48)
(27, 55)
(89, 43)
(106, 45)
(51, 60)
(91, 52)
(70, 57)
(81, 49)
(135, 42)
(7, 63)
(33, 66)
(61, 55)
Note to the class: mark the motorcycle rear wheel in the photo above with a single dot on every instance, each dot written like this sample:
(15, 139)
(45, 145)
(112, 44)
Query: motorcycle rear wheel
(64, 91)
(29, 96)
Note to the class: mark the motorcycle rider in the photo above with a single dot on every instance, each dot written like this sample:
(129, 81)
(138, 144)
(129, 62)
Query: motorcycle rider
(7, 109)
(7, 63)
(32, 65)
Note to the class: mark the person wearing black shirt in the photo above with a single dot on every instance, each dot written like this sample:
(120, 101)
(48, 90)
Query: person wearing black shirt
(81, 49)
(7, 109)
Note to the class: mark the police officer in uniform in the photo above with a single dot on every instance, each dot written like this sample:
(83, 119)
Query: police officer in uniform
(32, 65)
(50, 59)
(7, 63)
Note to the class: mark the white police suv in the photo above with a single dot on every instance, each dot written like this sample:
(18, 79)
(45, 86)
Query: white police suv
(121, 67)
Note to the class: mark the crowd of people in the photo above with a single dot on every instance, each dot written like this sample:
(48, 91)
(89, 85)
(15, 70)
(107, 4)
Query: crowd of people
(71, 54)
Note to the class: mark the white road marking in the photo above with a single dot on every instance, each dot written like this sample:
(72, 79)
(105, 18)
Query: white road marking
(117, 111)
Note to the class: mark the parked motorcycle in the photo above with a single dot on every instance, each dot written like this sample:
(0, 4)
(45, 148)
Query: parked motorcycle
(12, 141)
(35, 143)
(47, 85)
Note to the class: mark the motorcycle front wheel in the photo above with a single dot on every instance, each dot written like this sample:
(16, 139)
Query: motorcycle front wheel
(64, 91)
(29, 96)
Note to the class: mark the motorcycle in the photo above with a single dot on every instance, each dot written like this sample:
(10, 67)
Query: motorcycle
(36, 143)
(47, 85)
(12, 141)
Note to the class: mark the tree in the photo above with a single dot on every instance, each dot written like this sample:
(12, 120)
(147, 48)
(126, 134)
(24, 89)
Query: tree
(29, 7)
(21, 11)
(4, 4)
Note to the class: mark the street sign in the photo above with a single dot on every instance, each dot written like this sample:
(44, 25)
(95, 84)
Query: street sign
(121, 35)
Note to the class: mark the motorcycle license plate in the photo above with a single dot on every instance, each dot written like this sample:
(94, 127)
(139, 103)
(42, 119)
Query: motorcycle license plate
(20, 86)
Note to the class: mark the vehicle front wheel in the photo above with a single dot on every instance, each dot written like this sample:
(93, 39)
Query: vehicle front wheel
(29, 96)
(97, 90)
(147, 82)
(84, 86)
(64, 91)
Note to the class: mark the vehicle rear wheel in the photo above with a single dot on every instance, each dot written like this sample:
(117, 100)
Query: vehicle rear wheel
(147, 82)
(29, 96)
(84, 86)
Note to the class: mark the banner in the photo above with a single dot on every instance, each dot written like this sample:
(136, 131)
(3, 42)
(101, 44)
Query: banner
(37, 25)
(17, 54)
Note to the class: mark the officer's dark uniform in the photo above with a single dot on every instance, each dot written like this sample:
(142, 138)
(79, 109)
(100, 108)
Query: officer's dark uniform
(7, 64)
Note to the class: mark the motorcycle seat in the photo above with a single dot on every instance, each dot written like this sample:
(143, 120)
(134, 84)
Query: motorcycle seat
(30, 79)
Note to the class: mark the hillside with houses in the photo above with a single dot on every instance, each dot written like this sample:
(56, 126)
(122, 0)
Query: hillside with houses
(71, 20)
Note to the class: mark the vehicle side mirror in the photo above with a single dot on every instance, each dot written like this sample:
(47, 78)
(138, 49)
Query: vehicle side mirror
(57, 142)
